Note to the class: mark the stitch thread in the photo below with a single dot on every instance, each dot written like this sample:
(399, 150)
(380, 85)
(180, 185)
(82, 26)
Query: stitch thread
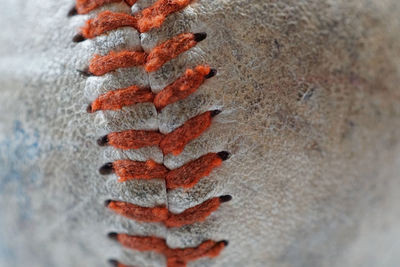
(104, 22)
(175, 257)
(128, 169)
(85, 6)
(190, 174)
(178, 90)
(197, 213)
(185, 176)
(176, 141)
(154, 16)
(120, 98)
(100, 65)
(183, 86)
(131, 139)
(170, 49)
(173, 142)
(149, 18)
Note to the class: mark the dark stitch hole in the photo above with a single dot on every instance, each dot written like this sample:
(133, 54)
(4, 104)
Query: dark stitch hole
(72, 12)
(225, 198)
(106, 168)
(212, 73)
(113, 236)
(107, 202)
(85, 72)
(198, 37)
(113, 262)
(226, 243)
(89, 108)
(78, 38)
(102, 141)
(215, 112)
(224, 155)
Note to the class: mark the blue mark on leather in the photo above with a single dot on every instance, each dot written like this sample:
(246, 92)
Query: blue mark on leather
(18, 164)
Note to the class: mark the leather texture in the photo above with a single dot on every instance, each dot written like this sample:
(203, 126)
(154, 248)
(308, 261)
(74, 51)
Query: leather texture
(309, 93)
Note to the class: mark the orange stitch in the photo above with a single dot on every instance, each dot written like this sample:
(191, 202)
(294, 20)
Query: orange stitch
(183, 86)
(85, 6)
(149, 18)
(209, 248)
(154, 16)
(131, 139)
(100, 65)
(128, 170)
(142, 214)
(178, 90)
(186, 176)
(197, 213)
(175, 257)
(190, 174)
(171, 49)
(141, 243)
(107, 21)
(120, 98)
(176, 141)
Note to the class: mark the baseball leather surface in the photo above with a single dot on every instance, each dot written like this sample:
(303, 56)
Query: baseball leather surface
(310, 101)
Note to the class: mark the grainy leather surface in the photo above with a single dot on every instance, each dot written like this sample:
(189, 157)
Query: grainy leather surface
(310, 98)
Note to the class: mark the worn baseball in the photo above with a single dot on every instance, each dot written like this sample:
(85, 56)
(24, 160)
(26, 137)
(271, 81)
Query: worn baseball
(222, 133)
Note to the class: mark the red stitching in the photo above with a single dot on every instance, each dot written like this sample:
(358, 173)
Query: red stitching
(190, 174)
(106, 21)
(178, 90)
(176, 141)
(117, 99)
(154, 16)
(173, 142)
(131, 139)
(170, 49)
(149, 18)
(185, 176)
(100, 65)
(161, 214)
(183, 86)
(85, 6)
(175, 257)
(128, 169)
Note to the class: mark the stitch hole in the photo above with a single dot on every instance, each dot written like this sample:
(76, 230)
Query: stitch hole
(215, 112)
(107, 202)
(226, 242)
(113, 262)
(107, 168)
(103, 141)
(85, 72)
(78, 38)
(224, 155)
(225, 198)
(112, 236)
(211, 74)
(89, 108)
(198, 37)
(72, 12)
